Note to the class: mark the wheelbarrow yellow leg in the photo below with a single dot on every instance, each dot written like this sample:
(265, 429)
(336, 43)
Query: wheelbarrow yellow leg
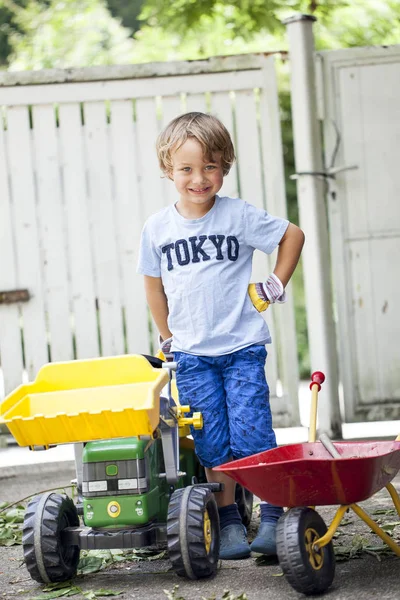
(325, 539)
(394, 495)
(337, 519)
(376, 529)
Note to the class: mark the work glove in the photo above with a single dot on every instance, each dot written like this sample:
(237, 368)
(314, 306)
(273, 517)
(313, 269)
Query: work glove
(264, 294)
(165, 347)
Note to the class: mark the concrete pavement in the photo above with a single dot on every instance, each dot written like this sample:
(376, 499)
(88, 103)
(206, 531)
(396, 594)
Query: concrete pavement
(364, 578)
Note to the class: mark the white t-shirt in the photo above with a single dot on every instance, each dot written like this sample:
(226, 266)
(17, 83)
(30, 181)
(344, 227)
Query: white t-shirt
(205, 265)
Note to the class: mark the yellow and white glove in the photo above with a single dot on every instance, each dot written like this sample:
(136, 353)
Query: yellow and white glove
(164, 352)
(264, 294)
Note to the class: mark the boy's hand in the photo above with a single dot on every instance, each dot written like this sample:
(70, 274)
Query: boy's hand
(264, 294)
(165, 345)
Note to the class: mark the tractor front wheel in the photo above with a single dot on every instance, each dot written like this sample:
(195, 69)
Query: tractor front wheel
(309, 569)
(193, 532)
(46, 559)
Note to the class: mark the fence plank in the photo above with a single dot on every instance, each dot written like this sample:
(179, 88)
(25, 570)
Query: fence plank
(151, 187)
(214, 64)
(150, 181)
(27, 240)
(83, 298)
(52, 232)
(137, 88)
(129, 219)
(221, 107)
(274, 179)
(10, 335)
(196, 103)
(171, 108)
(102, 217)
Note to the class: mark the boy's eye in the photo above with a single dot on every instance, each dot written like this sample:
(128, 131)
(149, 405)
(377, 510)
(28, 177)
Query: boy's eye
(186, 169)
(210, 167)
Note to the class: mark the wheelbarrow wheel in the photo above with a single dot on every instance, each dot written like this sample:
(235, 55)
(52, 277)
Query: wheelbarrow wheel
(244, 501)
(308, 571)
(46, 559)
(193, 532)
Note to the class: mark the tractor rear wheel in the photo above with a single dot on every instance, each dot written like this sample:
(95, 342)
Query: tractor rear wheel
(193, 532)
(46, 559)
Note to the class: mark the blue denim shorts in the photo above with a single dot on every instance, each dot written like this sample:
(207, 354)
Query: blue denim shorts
(232, 394)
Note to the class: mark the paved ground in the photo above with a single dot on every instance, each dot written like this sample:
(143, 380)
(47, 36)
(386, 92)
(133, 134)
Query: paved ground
(368, 577)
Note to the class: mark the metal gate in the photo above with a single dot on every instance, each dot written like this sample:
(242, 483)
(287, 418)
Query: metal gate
(78, 177)
(359, 91)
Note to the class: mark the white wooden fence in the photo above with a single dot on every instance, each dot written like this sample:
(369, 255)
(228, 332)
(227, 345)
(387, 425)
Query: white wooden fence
(78, 177)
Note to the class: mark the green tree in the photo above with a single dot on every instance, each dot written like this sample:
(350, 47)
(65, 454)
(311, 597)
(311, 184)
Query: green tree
(243, 18)
(127, 12)
(8, 10)
(67, 34)
(341, 23)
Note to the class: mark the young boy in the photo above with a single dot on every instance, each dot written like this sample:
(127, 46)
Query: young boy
(196, 257)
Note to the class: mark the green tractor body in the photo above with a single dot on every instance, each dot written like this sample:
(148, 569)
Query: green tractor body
(123, 483)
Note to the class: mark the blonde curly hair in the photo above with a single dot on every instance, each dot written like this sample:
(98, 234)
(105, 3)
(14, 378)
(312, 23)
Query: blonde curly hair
(211, 134)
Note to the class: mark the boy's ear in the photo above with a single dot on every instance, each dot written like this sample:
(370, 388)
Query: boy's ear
(169, 175)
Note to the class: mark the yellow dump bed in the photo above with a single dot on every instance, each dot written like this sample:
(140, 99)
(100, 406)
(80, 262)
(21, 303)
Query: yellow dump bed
(84, 400)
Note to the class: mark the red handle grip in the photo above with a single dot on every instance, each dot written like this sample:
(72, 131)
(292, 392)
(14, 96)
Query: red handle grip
(317, 378)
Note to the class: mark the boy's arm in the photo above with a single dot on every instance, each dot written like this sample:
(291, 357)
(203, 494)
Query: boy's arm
(289, 251)
(273, 290)
(157, 301)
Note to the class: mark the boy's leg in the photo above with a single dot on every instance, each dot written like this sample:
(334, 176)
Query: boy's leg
(250, 423)
(227, 496)
(200, 384)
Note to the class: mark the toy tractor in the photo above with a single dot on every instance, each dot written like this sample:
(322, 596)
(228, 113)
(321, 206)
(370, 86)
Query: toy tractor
(140, 484)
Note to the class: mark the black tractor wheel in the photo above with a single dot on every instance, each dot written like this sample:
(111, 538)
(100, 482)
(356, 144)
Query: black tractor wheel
(193, 532)
(46, 559)
(244, 501)
(309, 570)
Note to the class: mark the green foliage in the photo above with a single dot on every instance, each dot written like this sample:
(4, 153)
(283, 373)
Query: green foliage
(50, 33)
(127, 12)
(243, 18)
(361, 23)
(8, 10)
(227, 595)
(66, 589)
(11, 525)
(66, 34)
(5, 27)
(92, 561)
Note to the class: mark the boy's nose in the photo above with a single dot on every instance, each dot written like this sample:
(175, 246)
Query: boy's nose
(198, 178)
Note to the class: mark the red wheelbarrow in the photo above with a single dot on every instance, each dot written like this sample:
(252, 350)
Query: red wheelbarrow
(301, 476)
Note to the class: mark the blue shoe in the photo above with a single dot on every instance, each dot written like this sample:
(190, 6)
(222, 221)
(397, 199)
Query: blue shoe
(234, 544)
(265, 542)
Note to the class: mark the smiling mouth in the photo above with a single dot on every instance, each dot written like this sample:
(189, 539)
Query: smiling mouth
(199, 191)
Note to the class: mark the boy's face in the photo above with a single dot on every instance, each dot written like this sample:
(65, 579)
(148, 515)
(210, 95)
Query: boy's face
(196, 179)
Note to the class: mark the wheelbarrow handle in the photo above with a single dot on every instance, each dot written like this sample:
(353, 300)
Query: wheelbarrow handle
(317, 378)
(328, 445)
